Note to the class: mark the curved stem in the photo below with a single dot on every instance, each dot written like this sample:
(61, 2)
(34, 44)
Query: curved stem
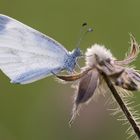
(122, 105)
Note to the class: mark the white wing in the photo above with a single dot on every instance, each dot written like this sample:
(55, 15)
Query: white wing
(27, 55)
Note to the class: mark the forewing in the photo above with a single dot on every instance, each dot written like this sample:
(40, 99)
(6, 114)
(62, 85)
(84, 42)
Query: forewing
(27, 55)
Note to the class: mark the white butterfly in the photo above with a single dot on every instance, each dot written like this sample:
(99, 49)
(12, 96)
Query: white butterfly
(27, 55)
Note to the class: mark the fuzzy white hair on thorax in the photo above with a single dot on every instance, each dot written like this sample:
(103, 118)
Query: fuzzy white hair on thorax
(100, 51)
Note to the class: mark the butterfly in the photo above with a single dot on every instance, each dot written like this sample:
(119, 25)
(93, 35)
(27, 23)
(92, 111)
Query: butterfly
(26, 55)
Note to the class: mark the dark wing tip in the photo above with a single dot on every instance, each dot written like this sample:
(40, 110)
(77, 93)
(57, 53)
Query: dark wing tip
(3, 22)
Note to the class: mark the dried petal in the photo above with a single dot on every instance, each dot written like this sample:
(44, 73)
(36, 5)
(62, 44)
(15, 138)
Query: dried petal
(134, 51)
(87, 86)
(73, 77)
(127, 80)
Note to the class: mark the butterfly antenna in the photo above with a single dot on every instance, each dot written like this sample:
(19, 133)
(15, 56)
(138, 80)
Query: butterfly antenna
(81, 37)
(83, 34)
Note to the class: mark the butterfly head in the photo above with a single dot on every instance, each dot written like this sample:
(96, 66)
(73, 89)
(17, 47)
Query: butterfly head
(76, 53)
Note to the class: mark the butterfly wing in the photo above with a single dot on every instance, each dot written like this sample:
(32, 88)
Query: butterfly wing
(27, 55)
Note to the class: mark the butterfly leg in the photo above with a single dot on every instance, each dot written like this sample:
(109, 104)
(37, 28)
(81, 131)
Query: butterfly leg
(78, 66)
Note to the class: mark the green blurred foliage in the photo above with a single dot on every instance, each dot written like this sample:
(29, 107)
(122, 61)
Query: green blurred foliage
(41, 110)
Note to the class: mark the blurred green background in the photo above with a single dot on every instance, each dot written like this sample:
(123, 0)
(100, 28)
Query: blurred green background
(41, 110)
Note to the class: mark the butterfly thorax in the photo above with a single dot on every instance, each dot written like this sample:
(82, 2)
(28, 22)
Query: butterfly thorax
(71, 59)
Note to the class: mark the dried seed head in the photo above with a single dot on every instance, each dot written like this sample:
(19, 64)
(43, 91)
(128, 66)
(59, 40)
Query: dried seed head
(100, 63)
(97, 51)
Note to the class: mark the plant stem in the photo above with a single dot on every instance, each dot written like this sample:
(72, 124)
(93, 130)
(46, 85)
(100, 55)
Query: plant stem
(122, 105)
